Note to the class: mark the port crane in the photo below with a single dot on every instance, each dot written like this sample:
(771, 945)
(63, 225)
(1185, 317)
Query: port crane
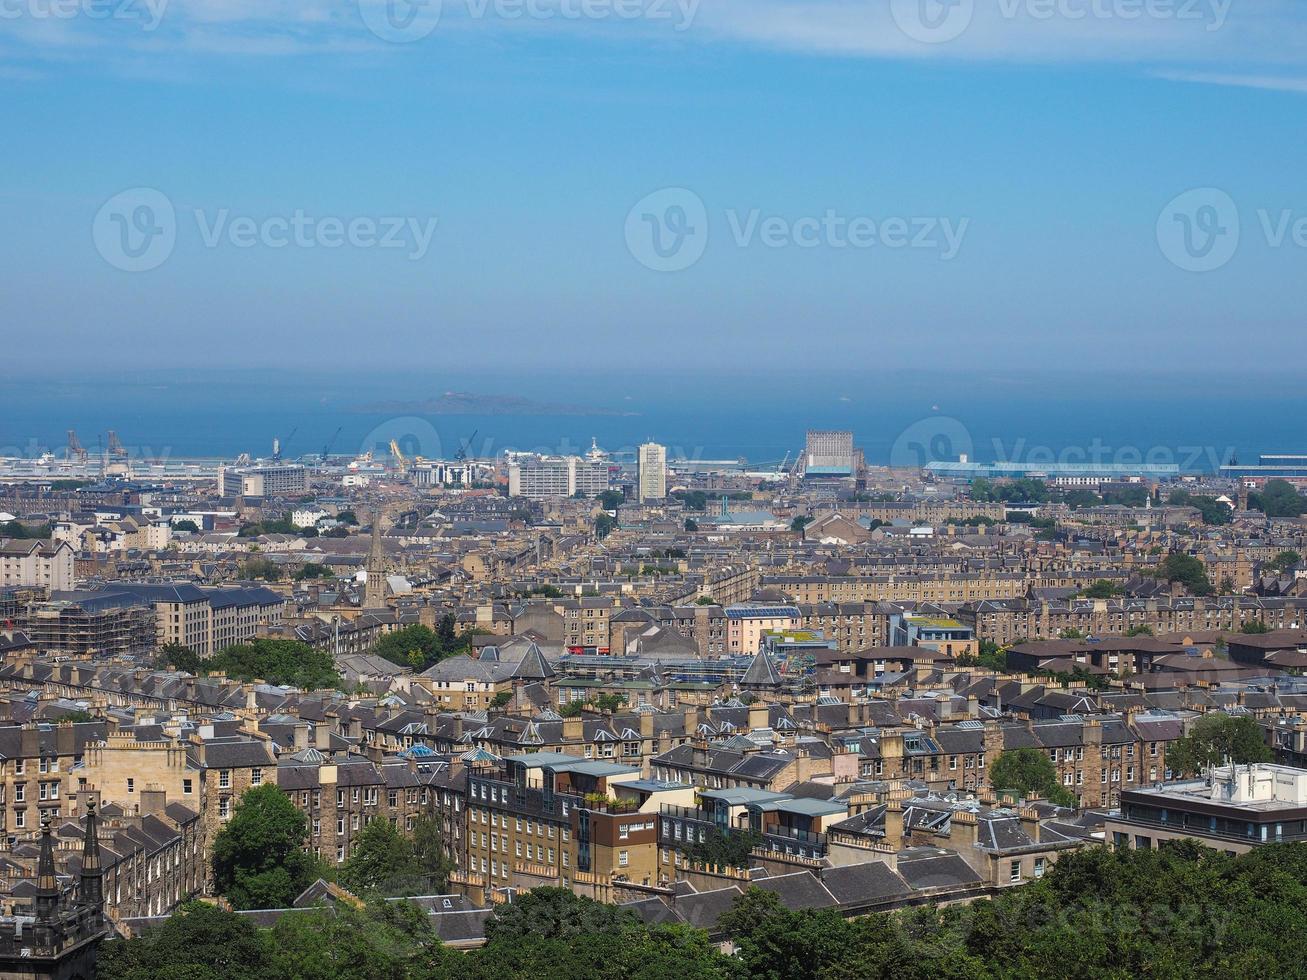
(278, 444)
(326, 449)
(75, 448)
(401, 462)
(461, 455)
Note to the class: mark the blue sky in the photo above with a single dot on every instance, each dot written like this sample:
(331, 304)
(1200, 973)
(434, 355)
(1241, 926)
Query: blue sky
(504, 156)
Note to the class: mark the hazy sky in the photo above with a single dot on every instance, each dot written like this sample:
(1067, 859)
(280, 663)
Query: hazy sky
(896, 186)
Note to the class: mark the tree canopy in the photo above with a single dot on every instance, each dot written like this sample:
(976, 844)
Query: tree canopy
(388, 862)
(259, 861)
(277, 662)
(1285, 560)
(1026, 772)
(1215, 739)
(419, 646)
(1278, 498)
(1176, 913)
(1188, 571)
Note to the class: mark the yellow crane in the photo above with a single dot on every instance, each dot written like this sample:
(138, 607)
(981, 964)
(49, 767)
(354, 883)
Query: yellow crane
(400, 460)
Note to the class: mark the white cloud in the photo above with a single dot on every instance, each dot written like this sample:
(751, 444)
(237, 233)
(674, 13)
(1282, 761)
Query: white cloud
(1255, 43)
(1271, 83)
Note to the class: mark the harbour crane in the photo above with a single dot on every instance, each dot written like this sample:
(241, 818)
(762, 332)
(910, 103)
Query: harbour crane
(326, 449)
(75, 449)
(461, 455)
(279, 444)
(401, 462)
(115, 447)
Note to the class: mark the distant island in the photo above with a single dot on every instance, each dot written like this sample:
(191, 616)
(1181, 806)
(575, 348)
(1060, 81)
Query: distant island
(465, 403)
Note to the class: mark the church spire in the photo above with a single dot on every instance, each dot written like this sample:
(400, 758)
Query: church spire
(91, 890)
(47, 883)
(374, 591)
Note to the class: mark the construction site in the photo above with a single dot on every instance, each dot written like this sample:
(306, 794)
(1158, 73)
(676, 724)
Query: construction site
(99, 625)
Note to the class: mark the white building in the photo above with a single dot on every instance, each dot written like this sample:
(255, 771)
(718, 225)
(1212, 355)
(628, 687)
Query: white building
(653, 472)
(307, 516)
(829, 454)
(45, 564)
(263, 481)
(556, 476)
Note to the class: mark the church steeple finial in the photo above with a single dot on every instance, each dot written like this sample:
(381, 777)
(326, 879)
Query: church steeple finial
(91, 888)
(47, 883)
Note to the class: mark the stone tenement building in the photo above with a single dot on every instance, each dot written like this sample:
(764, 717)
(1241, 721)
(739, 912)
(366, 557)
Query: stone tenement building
(1011, 620)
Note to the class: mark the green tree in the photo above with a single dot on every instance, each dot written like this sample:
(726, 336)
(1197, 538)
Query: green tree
(174, 656)
(1254, 627)
(413, 646)
(259, 861)
(287, 662)
(381, 855)
(186, 526)
(1279, 498)
(1285, 560)
(311, 570)
(260, 568)
(1143, 629)
(724, 849)
(197, 942)
(691, 525)
(605, 524)
(429, 854)
(1217, 738)
(555, 913)
(1188, 571)
(1103, 589)
(799, 523)
(611, 499)
(1029, 771)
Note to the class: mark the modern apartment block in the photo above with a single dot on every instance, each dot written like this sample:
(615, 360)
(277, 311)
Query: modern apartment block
(653, 472)
(203, 619)
(542, 477)
(829, 454)
(551, 819)
(43, 564)
(1234, 810)
(262, 481)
